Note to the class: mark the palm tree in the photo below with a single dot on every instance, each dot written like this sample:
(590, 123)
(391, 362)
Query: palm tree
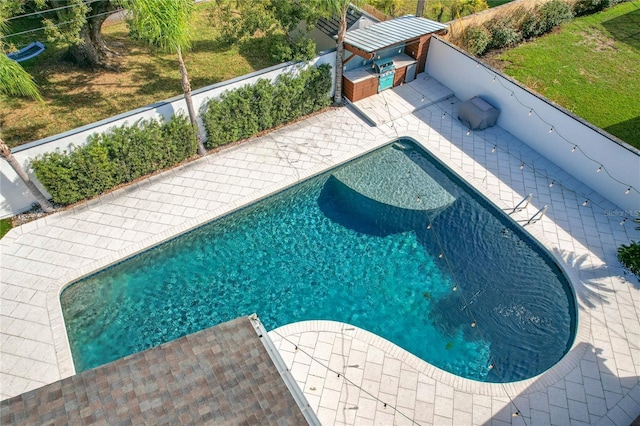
(15, 81)
(339, 8)
(166, 24)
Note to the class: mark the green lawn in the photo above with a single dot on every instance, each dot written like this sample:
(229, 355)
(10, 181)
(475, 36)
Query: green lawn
(74, 97)
(590, 66)
(5, 226)
(494, 3)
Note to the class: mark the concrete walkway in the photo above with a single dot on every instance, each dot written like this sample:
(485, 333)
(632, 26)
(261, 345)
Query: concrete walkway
(596, 383)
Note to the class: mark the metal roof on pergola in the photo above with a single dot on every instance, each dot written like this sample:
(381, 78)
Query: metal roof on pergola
(391, 33)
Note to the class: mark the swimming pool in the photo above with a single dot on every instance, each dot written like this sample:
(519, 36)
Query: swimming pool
(392, 242)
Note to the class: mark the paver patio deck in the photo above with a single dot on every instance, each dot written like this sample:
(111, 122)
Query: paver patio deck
(596, 383)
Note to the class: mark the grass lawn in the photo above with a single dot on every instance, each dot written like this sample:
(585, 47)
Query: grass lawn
(590, 66)
(74, 97)
(494, 3)
(5, 226)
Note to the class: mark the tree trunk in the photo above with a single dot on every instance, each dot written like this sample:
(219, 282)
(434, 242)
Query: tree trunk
(420, 9)
(93, 52)
(5, 152)
(186, 87)
(342, 31)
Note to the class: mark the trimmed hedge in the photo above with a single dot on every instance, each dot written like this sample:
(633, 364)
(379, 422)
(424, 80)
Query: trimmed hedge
(241, 113)
(117, 156)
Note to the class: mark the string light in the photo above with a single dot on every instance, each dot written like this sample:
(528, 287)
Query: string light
(460, 293)
(623, 221)
(551, 184)
(468, 132)
(551, 128)
(553, 181)
(599, 169)
(347, 379)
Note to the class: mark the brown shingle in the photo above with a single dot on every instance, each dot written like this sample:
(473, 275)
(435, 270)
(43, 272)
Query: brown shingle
(206, 377)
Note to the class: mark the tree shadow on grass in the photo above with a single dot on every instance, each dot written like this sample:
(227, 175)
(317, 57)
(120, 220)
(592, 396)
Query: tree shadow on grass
(77, 91)
(625, 28)
(256, 51)
(209, 46)
(23, 130)
(160, 84)
(628, 130)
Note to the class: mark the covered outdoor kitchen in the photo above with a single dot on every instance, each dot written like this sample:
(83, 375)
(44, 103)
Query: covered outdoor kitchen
(386, 55)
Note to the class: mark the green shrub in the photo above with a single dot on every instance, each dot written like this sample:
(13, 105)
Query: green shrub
(179, 140)
(554, 13)
(503, 34)
(476, 40)
(284, 48)
(532, 24)
(243, 112)
(317, 88)
(117, 156)
(586, 7)
(57, 173)
(629, 256)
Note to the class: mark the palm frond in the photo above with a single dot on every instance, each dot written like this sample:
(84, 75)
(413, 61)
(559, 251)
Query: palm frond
(163, 23)
(15, 81)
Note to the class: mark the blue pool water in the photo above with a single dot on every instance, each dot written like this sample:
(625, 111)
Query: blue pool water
(360, 244)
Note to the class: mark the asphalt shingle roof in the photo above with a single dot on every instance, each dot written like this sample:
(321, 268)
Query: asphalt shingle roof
(221, 375)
